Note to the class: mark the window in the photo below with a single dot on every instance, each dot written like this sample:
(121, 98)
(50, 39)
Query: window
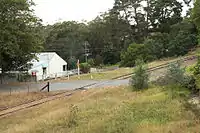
(64, 67)
(44, 70)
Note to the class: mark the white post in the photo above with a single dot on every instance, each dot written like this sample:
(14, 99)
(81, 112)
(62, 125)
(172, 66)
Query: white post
(78, 69)
(78, 72)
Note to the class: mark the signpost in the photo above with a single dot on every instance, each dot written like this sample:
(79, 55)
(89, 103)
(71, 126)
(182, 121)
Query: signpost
(34, 75)
(78, 66)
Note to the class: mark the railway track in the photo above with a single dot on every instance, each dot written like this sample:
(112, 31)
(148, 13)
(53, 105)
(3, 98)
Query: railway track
(165, 65)
(12, 110)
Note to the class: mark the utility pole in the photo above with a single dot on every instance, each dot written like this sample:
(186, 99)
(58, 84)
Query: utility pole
(70, 53)
(86, 52)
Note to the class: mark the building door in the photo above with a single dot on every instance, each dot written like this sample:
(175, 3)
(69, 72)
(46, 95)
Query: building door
(44, 72)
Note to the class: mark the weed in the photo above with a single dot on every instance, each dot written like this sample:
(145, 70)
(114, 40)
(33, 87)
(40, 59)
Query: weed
(72, 119)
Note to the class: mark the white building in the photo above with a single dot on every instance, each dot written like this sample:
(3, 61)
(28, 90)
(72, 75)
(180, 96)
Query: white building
(48, 65)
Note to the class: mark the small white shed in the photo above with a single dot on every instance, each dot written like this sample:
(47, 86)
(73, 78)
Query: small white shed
(48, 65)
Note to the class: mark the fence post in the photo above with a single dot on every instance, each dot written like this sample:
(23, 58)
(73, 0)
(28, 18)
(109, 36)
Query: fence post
(48, 86)
(28, 89)
(68, 76)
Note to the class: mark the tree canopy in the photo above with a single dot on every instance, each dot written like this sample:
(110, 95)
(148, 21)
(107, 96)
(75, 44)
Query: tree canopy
(19, 33)
(148, 29)
(157, 25)
(196, 14)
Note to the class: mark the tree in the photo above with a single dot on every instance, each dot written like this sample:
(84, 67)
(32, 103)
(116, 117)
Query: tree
(20, 36)
(133, 12)
(133, 53)
(107, 36)
(196, 14)
(163, 14)
(67, 39)
(157, 45)
(182, 38)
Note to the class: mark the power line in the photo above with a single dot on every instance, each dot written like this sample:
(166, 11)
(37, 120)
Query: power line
(87, 50)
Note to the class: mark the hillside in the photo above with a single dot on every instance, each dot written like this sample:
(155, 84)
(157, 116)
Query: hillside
(110, 110)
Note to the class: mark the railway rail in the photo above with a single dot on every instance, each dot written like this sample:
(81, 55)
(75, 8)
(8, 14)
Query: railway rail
(12, 110)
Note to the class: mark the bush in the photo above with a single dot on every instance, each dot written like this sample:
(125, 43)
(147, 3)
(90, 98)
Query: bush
(196, 70)
(85, 67)
(140, 78)
(176, 75)
(91, 62)
(134, 52)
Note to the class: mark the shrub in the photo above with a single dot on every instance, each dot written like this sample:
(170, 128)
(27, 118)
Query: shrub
(140, 78)
(91, 62)
(197, 67)
(85, 67)
(134, 52)
(177, 75)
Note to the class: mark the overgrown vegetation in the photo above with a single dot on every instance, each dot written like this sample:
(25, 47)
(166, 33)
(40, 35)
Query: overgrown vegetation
(109, 110)
(140, 78)
(85, 67)
(72, 118)
(196, 15)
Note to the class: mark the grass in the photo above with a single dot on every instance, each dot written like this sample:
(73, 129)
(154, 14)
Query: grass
(107, 110)
(17, 98)
(104, 75)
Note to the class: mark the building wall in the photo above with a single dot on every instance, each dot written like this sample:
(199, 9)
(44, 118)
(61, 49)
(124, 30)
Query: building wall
(39, 72)
(55, 68)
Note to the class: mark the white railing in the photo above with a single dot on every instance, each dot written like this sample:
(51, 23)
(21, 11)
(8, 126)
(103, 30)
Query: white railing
(56, 75)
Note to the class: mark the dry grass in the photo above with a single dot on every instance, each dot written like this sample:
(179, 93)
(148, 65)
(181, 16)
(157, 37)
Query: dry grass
(119, 72)
(108, 110)
(17, 98)
(102, 75)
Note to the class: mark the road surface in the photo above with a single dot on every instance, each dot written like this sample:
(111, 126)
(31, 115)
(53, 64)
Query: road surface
(71, 85)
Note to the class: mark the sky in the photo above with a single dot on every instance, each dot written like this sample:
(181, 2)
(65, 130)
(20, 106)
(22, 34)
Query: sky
(52, 11)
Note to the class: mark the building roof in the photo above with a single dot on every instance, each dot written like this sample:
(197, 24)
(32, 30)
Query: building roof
(42, 59)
